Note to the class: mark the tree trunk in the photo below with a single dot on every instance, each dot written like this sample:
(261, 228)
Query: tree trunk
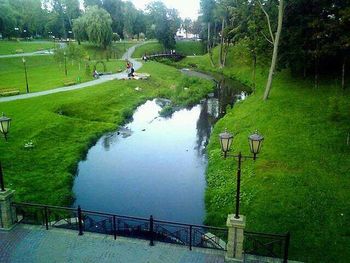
(343, 74)
(221, 60)
(209, 49)
(275, 51)
(316, 72)
(254, 70)
(227, 45)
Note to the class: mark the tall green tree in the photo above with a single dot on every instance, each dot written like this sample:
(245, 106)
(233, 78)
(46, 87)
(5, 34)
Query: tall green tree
(7, 19)
(98, 26)
(166, 23)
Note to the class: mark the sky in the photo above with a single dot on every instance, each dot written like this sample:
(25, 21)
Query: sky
(186, 8)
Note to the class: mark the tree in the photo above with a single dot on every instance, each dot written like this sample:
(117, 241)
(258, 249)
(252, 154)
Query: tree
(166, 23)
(116, 9)
(207, 15)
(7, 19)
(79, 30)
(187, 25)
(275, 38)
(98, 26)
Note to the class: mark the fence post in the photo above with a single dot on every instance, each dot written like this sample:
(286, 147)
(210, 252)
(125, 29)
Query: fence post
(80, 223)
(46, 218)
(286, 248)
(235, 238)
(114, 228)
(151, 243)
(7, 211)
(190, 237)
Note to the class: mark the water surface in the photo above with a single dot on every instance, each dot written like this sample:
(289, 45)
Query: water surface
(153, 165)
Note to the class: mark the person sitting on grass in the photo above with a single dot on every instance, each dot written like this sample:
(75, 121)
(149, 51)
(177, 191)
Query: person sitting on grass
(130, 69)
(95, 74)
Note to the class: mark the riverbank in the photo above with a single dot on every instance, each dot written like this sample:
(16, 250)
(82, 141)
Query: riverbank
(300, 183)
(61, 128)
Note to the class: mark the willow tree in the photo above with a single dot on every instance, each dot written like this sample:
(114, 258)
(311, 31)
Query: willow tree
(274, 39)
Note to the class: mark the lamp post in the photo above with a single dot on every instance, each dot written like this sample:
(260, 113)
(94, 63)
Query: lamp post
(65, 63)
(255, 142)
(4, 125)
(4, 128)
(25, 73)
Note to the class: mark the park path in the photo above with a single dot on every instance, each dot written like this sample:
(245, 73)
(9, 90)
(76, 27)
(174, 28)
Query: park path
(102, 79)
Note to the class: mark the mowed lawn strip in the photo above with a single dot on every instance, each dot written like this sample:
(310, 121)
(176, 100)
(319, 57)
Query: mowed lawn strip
(63, 126)
(301, 181)
(45, 73)
(12, 47)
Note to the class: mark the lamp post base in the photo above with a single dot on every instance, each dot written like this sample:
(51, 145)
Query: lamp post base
(7, 212)
(236, 227)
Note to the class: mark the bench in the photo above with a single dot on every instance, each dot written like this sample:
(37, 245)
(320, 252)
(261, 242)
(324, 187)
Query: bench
(69, 83)
(8, 92)
(18, 51)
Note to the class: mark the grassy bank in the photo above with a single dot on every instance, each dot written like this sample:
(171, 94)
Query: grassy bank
(187, 48)
(13, 47)
(115, 51)
(301, 181)
(63, 126)
(45, 73)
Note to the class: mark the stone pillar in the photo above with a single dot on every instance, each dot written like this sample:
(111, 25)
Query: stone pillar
(236, 227)
(7, 212)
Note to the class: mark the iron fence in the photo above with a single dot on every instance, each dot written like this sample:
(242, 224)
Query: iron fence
(267, 245)
(126, 226)
(260, 244)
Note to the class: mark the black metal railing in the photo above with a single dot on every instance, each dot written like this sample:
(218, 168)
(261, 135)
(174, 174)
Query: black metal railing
(126, 226)
(166, 54)
(260, 244)
(267, 245)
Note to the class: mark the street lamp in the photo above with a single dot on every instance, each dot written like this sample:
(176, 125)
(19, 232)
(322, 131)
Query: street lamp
(65, 63)
(25, 73)
(4, 129)
(255, 141)
(4, 125)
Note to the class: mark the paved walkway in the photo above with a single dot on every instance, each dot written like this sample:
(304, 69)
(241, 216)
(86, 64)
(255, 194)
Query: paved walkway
(102, 79)
(29, 244)
(36, 53)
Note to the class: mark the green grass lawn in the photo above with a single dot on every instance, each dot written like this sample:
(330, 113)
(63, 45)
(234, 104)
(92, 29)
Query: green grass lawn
(301, 182)
(13, 47)
(187, 48)
(63, 126)
(45, 73)
(116, 51)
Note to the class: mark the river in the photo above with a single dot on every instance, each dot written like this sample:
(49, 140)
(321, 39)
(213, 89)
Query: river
(155, 165)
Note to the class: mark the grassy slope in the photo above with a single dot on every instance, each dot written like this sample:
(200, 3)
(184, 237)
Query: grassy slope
(62, 127)
(97, 53)
(301, 182)
(44, 72)
(10, 47)
(184, 47)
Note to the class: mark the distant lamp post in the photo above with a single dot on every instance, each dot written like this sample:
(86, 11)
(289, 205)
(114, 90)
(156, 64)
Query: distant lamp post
(65, 63)
(4, 125)
(255, 142)
(25, 73)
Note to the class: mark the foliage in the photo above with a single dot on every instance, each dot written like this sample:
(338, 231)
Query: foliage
(98, 26)
(166, 22)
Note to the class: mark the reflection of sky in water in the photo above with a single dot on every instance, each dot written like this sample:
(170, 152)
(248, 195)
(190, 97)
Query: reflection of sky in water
(152, 165)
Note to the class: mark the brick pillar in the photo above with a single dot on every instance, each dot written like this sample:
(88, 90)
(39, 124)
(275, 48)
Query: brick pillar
(236, 227)
(7, 212)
